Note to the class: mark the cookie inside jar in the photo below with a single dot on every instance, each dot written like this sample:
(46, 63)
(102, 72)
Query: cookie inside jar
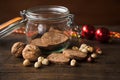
(52, 40)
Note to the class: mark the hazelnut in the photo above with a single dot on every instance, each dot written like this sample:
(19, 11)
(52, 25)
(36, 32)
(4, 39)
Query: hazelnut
(73, 62)
(40, 59)
(93, 55)
(31, 52)
(99, 51)
(83, 45)
(37, 64)
(17, 49)
(86, 47)
(90, 49)
(45, 62)
(89, 59)
(84, 50)
(80, 48)
(26, 62)
(75, 48)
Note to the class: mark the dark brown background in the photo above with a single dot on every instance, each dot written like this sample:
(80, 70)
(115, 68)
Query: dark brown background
(106, 12)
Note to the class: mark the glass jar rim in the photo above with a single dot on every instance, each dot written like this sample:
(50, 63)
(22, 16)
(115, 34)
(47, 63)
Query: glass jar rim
(31, 13)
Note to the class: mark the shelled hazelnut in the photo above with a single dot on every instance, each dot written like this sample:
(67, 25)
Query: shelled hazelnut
(90, 49)
(82, 46)
(84, 50)
(75, 48)
(37, 64)
(93, 55)
(98, 51)
(26, 62)
(45, 61)
(73, 62)
(40, 59)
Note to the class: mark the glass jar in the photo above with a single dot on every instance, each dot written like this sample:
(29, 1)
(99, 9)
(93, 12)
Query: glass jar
(47, 25)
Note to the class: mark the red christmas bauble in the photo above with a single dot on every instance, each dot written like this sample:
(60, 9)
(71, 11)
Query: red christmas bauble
(88, 32)
(102, 34)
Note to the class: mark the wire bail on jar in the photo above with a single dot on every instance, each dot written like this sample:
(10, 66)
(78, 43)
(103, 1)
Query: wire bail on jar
(22, 13)
(70, 19)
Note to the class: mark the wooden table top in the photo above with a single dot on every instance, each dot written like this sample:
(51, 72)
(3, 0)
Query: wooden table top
(106, 67)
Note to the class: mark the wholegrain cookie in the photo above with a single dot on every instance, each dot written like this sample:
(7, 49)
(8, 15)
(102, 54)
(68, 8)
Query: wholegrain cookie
(50, 39)
(74, 54)
(58, 58)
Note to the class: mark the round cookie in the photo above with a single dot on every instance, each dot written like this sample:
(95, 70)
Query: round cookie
(74, 54)
(58, 58)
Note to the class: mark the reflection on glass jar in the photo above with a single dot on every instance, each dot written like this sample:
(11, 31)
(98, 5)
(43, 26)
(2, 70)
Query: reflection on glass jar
(47, 27)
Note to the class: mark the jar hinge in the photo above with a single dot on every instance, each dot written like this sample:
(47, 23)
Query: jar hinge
(70, 19)
(23, 15)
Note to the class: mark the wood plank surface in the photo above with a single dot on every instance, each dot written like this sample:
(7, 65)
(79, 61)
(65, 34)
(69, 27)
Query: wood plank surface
(106, 67)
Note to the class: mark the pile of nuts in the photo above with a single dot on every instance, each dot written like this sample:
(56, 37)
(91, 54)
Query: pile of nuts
(32, 53)
(41, 61)
(91, 51)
